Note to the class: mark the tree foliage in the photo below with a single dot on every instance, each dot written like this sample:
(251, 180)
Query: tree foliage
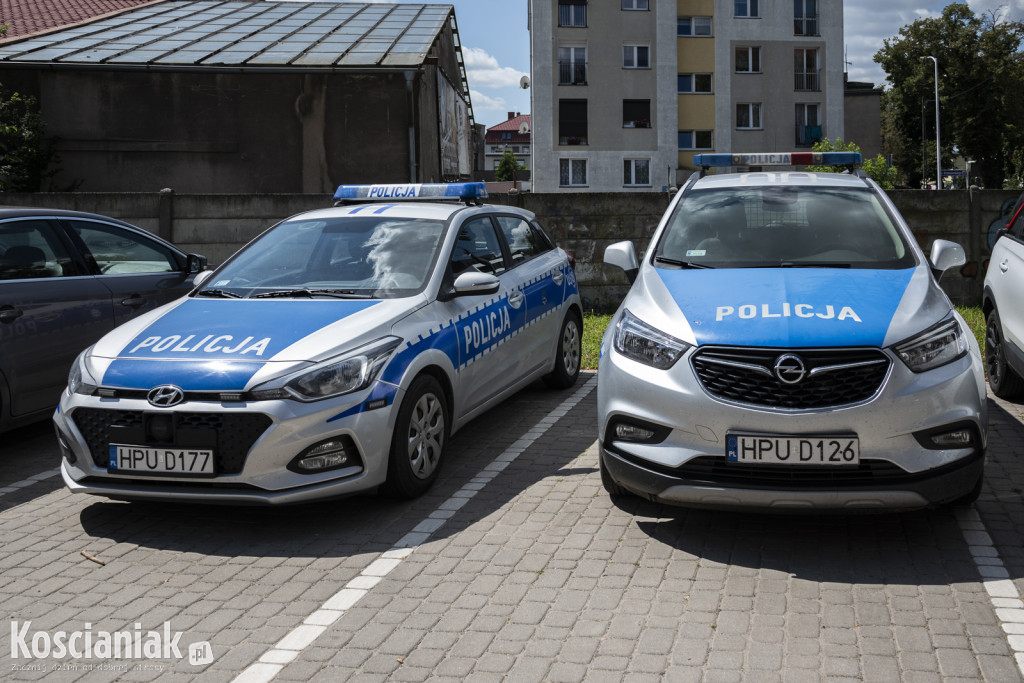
(25, 152)
(507, 167)
(981, 93)
(877, 169)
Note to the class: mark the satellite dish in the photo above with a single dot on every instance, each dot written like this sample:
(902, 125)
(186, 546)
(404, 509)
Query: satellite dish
(524, 82)
(524, 128)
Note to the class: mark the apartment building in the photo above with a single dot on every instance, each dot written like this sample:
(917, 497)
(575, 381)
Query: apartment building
(626, 93)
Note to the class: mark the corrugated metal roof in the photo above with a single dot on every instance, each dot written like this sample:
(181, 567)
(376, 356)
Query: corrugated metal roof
(25, 17)
(243, 33)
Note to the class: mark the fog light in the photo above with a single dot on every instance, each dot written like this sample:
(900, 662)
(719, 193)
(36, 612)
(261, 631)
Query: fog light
(636, 431)
(958, 435)
(628, 432)
(326, 455)
(960, 438)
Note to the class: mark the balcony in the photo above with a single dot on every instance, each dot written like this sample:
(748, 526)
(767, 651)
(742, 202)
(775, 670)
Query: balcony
(572, 73)
(807, 80)
(805, 26)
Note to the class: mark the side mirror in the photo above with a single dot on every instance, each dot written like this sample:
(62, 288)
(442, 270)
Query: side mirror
(476, 283)
(623, 255)
(195, 263)
(946, 255)
(201, 278)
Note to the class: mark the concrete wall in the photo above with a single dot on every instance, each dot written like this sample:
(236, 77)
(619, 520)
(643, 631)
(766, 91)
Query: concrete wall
(583, 224)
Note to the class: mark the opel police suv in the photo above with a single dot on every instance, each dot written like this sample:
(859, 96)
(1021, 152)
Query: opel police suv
(336, 353)
(786, 345)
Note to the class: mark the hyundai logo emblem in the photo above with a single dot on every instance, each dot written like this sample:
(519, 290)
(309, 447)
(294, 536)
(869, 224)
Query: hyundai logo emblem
(790, 369)
(165, 396)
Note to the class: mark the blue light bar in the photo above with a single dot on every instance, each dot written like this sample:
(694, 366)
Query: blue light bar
(779, 159)
(410, 191)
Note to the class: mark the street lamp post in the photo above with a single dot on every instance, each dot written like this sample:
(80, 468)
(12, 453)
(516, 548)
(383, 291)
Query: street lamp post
(938, 138)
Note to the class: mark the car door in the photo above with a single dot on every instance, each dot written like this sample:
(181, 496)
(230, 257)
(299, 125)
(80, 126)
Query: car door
(140, 272)
(538, 271)
(1007, 281)
(486, 324)
(50, 309)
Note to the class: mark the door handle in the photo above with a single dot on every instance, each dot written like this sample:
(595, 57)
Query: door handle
(134, 301)
(8, 314)
(515, 299)
(558, 277)
(1005, 265)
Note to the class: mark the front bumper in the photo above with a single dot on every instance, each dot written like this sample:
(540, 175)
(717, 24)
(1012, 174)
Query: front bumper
(686, 464)
(251, 468)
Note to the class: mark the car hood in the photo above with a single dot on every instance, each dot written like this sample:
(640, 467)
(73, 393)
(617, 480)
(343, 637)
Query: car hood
(789, 307)
(229, 345)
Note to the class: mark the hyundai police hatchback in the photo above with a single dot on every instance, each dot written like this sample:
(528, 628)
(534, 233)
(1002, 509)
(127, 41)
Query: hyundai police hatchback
(335, 353)
(786, 345)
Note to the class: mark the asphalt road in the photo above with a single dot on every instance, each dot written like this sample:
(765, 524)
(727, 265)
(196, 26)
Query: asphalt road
(516, 566)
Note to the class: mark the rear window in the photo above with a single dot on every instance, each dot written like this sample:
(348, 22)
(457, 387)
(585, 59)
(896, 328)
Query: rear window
(778, 226)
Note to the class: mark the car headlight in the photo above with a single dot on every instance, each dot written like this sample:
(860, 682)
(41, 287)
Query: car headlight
(79, 379)
(639, 341)
(936, 346)
(355, 371)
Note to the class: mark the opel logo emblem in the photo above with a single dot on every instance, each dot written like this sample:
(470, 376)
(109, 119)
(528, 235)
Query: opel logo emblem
(790, 369)
(165, 396)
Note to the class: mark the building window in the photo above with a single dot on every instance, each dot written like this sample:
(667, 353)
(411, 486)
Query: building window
(748, 60)
(572, 66)
(696, 139)
(805, 17)
(636, 113)
(634, 4)
(636, 172)
(636, 57)
(497, 163)
(746, 8)
(808, 124)
(506, 136)
(748, 116)
(572, 13)
(694, 83)
(572, 122)
(806, 70)
(572, 172)
(693, 26)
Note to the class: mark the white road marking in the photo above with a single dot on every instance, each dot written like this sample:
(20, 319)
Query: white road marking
(291, 646)
(34, 479)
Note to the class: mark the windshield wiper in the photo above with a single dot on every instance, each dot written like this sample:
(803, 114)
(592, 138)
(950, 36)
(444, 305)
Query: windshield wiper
(310, 293)
(800, 264)
(681, 264)
(221, 293)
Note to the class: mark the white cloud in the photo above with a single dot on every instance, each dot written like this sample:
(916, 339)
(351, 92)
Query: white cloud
(483, 70)
(482, 102)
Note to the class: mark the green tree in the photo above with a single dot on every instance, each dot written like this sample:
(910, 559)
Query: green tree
(876, 169)
(981, 93)
(507, 167)
(25, 152)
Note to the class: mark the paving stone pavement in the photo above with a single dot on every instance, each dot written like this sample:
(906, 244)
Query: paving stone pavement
(539, 576)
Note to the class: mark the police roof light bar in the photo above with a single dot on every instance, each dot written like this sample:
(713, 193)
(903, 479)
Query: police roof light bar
(706, 161)
(467, 192)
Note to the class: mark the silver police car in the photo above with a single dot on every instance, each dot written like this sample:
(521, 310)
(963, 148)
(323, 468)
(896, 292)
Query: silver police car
(786, 345)
(336, 353)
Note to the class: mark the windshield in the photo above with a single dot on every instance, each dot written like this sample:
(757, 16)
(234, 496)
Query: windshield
(782, 226)
(342, 257)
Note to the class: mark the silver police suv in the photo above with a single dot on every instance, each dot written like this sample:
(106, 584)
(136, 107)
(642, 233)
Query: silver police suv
(1004, 324)
(785, 345)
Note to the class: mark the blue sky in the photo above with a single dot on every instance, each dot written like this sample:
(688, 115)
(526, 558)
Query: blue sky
(496, 44)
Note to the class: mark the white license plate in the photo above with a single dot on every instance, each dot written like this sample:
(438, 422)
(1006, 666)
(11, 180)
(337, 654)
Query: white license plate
(792, 450)
(185, 461)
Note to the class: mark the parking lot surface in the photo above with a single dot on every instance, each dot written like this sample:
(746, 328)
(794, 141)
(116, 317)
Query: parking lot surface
(515, 566)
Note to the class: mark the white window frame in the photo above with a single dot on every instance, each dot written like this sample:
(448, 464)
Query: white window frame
(635, 5)
(746, 9)
(693, 84)
(633, 51)
(693, 138)
(696, 23)
(751, 50)
(571, 161)
(572, 64)
(632, 164)
(753, 112)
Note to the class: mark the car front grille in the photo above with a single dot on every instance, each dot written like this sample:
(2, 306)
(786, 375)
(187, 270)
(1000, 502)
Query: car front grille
(231, 435)
(832, 377)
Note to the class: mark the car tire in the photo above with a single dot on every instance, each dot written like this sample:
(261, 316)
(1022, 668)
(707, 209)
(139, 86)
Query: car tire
(419, 440)
(568, 354)
(610, 485)
(1004, 381)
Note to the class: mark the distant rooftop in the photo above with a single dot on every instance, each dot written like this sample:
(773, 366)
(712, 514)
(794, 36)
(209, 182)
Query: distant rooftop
(25, 17)
(238, 34)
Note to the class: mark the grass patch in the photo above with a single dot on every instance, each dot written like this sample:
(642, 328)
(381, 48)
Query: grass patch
(594, 325)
